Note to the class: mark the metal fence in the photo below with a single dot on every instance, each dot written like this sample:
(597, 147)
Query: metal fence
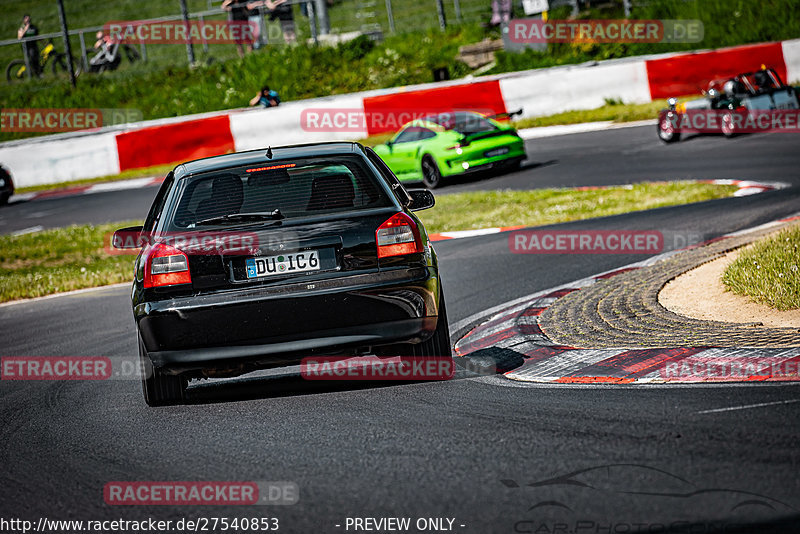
(314, 21)
(339, 18)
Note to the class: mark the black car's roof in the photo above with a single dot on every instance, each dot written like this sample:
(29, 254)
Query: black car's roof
(253, 157)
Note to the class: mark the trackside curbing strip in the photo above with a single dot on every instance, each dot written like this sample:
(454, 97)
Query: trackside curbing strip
(513, 328)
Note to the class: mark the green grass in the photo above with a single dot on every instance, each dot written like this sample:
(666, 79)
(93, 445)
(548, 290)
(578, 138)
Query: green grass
(614, 112)
(486, 209)
(295, 72)
(54, 261)
(769, 271)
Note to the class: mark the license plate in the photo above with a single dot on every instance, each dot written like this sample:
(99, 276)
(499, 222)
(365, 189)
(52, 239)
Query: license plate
(497, 152)
(291, 262)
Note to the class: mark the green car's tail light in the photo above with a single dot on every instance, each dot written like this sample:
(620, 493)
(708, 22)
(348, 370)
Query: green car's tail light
(165, 265)
(398, 236)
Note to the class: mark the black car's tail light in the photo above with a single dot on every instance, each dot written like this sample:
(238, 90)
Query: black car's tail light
(398, 236)
(166, 266)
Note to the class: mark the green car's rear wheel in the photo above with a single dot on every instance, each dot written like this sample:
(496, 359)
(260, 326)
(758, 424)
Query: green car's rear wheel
(431, 176)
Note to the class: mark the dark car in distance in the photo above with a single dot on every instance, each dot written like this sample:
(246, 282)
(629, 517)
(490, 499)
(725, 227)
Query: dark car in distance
(257, 259)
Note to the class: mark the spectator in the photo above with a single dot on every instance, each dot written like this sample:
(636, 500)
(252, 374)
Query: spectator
(280, 10)
(103, 45)
(501, 12)
(239, 13)
(266, 98)
(255, 20)
(28, 29)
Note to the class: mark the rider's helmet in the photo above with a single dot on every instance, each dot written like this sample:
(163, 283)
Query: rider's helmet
(729, 87)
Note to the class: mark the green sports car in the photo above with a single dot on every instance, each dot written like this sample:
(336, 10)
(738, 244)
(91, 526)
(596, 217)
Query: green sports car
(450, 144)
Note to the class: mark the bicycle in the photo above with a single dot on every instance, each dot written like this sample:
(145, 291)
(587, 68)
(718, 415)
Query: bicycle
(110, 56)
(17, 69)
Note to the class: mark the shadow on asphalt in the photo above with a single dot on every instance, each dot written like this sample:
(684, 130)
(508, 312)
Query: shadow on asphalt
(471, 178)
(257, 388)
(483, 362)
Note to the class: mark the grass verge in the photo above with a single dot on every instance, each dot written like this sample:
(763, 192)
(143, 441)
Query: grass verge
(64, 259)
(617, 112)
(486, 209)
(54, 261)
(767, 271)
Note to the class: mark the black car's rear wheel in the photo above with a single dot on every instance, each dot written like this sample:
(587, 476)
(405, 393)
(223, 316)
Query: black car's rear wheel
(431, 176)
(438, 345)
(160, 389)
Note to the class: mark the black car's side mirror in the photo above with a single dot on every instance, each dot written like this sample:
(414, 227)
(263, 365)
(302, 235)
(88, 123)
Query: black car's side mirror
(421, 199)
(128, 238)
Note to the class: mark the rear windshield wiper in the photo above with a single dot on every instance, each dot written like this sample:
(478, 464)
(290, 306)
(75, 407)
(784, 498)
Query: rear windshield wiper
(258, 216)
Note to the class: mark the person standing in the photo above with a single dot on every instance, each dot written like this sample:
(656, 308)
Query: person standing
(28, 29)
(501, 12)
(239, 13)
(280, 10)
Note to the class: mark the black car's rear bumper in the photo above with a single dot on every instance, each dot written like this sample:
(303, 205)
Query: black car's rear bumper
(281, 323)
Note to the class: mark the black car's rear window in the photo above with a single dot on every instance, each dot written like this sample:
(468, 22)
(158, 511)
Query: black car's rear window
(299, 188)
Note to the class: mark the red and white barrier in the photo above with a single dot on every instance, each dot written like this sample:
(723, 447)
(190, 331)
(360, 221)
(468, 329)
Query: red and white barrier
(690, 73)
(65, 157)
(548, 91)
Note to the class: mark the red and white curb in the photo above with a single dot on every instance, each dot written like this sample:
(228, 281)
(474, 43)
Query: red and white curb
(515, 326)
(104, 187)
(746, 187)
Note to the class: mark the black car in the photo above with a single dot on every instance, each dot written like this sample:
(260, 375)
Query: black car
(6, 186)
(257, 259)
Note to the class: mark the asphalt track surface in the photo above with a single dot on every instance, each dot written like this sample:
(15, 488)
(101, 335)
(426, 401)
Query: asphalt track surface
(656, 459)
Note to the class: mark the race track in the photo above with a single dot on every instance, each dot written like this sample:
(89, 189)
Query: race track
(463, 449)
